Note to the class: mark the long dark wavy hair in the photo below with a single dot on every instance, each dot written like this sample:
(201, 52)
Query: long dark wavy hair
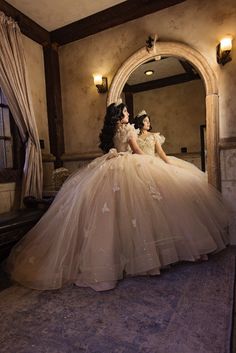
(114, 114)
(138, 121)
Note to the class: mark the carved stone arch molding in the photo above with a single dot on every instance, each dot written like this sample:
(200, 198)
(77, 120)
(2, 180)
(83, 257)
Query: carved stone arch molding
(212, 99)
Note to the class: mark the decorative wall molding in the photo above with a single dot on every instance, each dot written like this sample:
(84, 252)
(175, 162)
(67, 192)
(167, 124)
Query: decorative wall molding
(81, 156)
(176, 49)
(7, 187)
(227, 143)
(198, 61)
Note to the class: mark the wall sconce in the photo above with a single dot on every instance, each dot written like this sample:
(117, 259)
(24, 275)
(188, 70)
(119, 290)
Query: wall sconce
(101, 83)
(223, 50)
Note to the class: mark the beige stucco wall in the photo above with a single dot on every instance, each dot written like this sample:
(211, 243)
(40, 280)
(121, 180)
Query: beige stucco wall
(35, 66)
(177, 112)
(198, 24)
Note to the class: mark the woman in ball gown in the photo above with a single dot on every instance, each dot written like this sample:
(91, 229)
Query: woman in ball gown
(151, 144)
(128, 212)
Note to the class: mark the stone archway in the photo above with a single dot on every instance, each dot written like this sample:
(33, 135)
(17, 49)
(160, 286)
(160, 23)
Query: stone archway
(212, 99)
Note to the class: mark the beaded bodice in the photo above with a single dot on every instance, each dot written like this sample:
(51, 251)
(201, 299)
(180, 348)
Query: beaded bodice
(147, 144)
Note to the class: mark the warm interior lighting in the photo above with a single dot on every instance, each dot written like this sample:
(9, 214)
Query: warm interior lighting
(97, 79)
(223, 50)
(100, 82)
(226, 44)
(149, 72)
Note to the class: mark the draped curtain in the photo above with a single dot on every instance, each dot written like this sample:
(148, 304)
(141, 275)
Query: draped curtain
(15, 85)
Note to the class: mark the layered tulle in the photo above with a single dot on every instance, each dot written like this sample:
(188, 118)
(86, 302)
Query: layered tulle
(123, 214)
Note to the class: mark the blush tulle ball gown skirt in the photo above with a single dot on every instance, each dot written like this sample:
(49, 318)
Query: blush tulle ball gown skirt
(123, 214)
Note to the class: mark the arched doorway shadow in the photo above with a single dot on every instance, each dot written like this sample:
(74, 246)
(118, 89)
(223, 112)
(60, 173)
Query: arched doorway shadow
(197, 60)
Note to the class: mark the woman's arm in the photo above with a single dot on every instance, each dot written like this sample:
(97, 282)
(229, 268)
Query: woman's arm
(134, 146)
(161, 153)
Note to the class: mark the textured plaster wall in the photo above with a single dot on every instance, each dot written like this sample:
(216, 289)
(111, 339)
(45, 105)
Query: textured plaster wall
(177, 112)
(35, 66)
(199, 24)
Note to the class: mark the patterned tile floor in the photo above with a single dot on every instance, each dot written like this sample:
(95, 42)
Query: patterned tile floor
(5, 283)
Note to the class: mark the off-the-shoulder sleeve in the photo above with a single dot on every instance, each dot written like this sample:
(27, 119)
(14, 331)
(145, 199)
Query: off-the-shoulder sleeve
(130, 132)
(159, 138)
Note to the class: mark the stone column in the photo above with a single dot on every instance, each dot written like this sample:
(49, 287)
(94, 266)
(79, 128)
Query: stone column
(213, 165)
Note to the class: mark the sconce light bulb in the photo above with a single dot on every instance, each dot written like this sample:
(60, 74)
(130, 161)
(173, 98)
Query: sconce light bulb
(100, 82)
(223, 50)
(226, 44)
(97, 78)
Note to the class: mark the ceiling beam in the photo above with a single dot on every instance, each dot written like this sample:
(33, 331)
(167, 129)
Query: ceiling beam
(163, 82)
(188, 68)
(111, 17)
(27, 26)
